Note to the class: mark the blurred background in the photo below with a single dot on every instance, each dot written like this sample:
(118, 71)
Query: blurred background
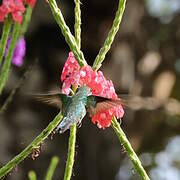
(144, 61)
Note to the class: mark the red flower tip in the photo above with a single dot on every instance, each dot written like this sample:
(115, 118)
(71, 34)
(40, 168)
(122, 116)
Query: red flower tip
(103, 119)
(97, 82)
(71, 66)
(15, 7)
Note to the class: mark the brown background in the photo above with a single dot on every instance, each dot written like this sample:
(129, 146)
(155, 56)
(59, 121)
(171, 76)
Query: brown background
(144, 60)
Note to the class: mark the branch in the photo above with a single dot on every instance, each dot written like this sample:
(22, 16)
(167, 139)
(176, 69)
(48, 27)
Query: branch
(66, 32)
(4, 38)
(71, 152)
(72, 137)
(7, 62)
(110, 38)
(126, 144)
(32, 175)
(77, 26)
(54, 162)
(26, 20)
(29, 149)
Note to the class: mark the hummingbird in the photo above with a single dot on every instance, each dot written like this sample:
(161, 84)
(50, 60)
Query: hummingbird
(74, 107)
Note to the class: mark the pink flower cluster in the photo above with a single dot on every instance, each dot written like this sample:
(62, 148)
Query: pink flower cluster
(103, 119)
(73, 74)
(14, 7)
(70, 74)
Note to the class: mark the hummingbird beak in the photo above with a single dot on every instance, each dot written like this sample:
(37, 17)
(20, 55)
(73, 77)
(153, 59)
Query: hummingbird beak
(89, 92)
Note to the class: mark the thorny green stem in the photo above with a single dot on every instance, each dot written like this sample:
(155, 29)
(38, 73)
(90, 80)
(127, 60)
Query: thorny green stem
(72, 137)
(77, 25)
(26, 19)
(7, 62)
(126, 144)
(54, 162)
(71, 152)
(66, 32)
(4, 38)
(32, 175)
(33, 146)
(108, 42)
(96, 65)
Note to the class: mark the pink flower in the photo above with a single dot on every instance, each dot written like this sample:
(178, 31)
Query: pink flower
(71, 80)
(6, 7)
(71, 67)
(86, 76)
(15, 7)
(100, 86)
(73, 74)
(103, 119)
(18, 11)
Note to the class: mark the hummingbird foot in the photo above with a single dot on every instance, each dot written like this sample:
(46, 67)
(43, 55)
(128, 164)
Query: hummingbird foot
(60, 130)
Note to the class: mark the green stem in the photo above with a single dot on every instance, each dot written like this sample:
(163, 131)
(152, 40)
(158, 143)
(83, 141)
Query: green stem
(72, 137)
(26, 20)
(29, 149)
(4, 38)
(7, 61)
(77, 25)
(108, 42)
(66, 32)
(132, 155)
(71, 152)
(32, 175)
(52, 167)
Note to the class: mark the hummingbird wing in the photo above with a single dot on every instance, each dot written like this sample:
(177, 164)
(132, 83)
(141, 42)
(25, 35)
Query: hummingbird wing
(56, 99)
(99, 104)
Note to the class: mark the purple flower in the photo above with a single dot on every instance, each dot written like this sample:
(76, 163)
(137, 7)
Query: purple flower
(19, 51)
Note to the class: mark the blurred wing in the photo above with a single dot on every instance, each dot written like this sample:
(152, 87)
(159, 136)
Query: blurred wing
(100, 104)
(55, 99)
